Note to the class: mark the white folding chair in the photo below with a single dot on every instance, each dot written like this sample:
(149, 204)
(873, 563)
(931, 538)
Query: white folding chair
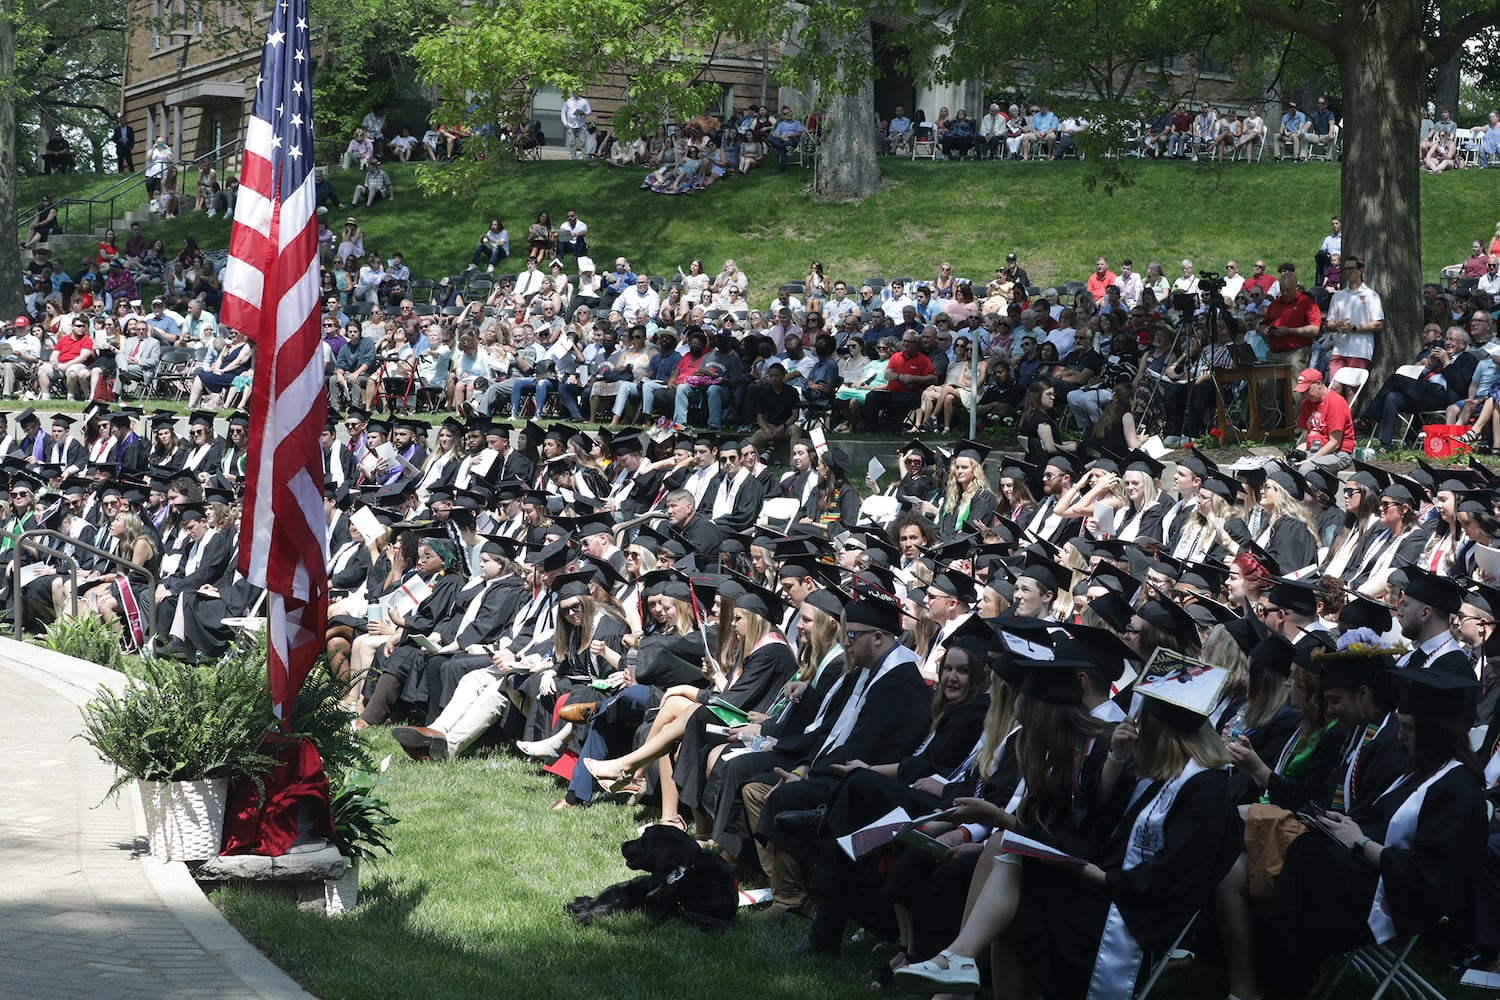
(1353, 380)
(1386, 965)
(924, 144)
(878, 509)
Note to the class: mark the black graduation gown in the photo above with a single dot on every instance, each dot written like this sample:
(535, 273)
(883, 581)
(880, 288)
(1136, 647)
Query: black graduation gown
(516, 466)
(917, 485)
(353, 572)
(1058, 932)
(981, 509)
(640, 495)
(1291, 544)
(437, 608)
(664, 661)
(130, 457)
(496, 608)
(701, 537)
(1323, 896)
(576, 663)
(1152, 519)
(744, 510)
(214, 566)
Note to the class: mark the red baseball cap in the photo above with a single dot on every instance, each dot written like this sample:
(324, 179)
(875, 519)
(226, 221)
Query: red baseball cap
(22, 322)
(1309, 377)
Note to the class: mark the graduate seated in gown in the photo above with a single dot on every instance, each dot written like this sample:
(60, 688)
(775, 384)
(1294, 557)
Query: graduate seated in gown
(1069, 920)
(1396, 864)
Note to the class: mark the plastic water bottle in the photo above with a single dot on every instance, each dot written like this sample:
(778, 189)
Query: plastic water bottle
(630, 657)
(1236, 727)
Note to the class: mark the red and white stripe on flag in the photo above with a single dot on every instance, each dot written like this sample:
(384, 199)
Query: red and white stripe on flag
(271, 294)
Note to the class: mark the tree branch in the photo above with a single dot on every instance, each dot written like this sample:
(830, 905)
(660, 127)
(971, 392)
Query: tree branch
(1327, 35)
(1436, 51)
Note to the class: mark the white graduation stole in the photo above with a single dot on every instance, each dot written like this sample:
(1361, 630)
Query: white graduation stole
(1399, 833)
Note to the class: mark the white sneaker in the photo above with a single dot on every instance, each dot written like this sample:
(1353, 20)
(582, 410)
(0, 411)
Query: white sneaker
(212, 214)
(490, 269)
(46, 396)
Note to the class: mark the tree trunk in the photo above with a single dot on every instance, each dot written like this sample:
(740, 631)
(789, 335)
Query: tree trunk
(1381, 201)
(847, 169)
(1445, 79)
(10, 251)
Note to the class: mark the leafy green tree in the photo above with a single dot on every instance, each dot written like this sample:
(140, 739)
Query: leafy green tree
(1383, 52)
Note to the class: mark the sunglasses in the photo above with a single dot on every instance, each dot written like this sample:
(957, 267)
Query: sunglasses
(851, 636)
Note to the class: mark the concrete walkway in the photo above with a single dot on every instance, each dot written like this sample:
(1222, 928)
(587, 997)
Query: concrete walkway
(84, 911)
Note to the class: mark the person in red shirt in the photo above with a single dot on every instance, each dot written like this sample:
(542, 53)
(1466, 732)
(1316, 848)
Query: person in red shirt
(1100, 280)
(1326, 424)
(907, 373)
(70, 361)
(1259, 278)
(1292, 322)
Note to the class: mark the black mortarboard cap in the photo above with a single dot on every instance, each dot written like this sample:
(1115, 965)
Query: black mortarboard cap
(1436, 692)
(1440, 592)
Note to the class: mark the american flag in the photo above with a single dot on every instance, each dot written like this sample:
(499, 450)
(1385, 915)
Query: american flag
(271, 293)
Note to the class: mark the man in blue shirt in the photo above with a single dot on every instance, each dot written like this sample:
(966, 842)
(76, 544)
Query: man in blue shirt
(898, 133)
(784, 137)
(1291, 128)
(1043, 129)
(1318, 128)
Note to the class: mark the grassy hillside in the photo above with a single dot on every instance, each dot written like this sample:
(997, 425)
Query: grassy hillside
(970, 213)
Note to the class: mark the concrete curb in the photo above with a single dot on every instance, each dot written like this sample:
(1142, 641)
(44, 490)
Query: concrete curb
(77, 681)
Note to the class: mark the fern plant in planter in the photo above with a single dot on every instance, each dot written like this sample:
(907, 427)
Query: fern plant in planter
(184, 733)
(85, 637)
(361, 823)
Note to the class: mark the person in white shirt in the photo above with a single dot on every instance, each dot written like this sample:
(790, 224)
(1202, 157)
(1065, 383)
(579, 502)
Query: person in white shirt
(530, 281)
(639, 298)
(1489, 284)
(992, 131)
(575, 113)
(572, 236)
(894, 299)
(1129, 284)
(1234, 281)
(1355, 316)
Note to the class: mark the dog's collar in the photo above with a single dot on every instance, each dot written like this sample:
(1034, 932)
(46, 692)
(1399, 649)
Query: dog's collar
(677, 873)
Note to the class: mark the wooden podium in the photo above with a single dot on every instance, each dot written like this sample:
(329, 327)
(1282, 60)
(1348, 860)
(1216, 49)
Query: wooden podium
(1252, 379)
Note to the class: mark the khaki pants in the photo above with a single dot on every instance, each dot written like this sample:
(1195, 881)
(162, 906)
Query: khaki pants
(788, 876)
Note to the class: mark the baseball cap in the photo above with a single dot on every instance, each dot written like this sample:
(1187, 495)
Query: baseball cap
(1309, 377)
(22, 322)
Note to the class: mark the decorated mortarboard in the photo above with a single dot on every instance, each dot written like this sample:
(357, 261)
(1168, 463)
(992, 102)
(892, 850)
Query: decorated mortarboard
(1253, 476)
(23, 479)
(1184, 699)
(1443, 693)
(1440, 592)
(928, 455)
(1358, 664)
(972, 450)
(1169, 616)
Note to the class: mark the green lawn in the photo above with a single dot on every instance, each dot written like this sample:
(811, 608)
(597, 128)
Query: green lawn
(969, 213)
(470, 906)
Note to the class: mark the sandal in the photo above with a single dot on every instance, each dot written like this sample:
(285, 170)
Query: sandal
(960, 975)
(676, 822)
(611, 783)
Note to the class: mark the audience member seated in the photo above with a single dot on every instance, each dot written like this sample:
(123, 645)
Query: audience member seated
(1448, 368)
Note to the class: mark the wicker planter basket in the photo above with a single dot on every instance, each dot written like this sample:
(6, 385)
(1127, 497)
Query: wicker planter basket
(343, 894)
(185, 819)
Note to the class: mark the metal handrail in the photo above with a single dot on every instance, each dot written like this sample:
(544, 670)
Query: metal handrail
(148, 623)
(125, 187)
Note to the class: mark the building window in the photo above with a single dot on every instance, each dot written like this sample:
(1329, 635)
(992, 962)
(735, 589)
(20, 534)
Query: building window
(157, 14)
